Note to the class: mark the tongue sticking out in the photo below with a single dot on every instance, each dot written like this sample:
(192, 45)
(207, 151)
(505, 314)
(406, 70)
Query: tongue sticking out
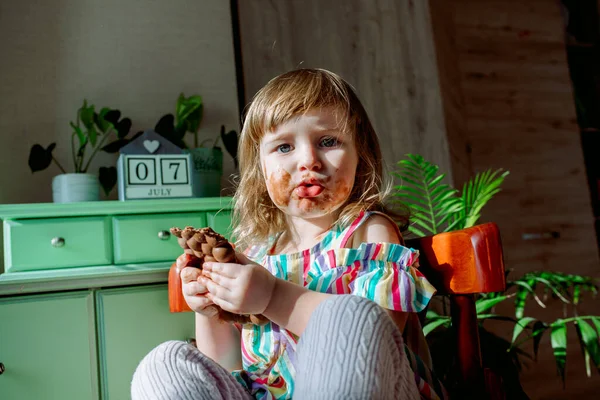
(309, 191)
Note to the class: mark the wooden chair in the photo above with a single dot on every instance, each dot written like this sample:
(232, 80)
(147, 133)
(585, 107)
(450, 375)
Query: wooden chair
(459, 264)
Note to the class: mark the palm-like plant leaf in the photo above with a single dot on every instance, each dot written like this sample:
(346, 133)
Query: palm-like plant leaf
(437, 207)
(588, 338)
(476, 193)
(558, 339)
(432, 202)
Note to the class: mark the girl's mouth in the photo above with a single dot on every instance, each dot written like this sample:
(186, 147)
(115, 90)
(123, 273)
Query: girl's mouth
(307, 190)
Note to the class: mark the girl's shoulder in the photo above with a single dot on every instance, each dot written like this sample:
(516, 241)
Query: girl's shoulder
(372, 227)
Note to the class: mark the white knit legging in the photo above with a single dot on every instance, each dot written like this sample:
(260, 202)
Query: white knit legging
(350, 349)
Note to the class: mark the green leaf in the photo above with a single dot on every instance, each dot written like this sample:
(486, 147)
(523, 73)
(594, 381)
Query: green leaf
(108, 178)
(539, 328)
(589, 337)
(558, 339)
(519, 326)
(486, 304)
(123, 127)
(429, 327)
(417, 232)
(530, 287)
(80, 135)
(86, 116)
(596, 321)
(189, 112)
(496, 317)
(101, 122)
(92, 134)
(478, 191)
(40, 158)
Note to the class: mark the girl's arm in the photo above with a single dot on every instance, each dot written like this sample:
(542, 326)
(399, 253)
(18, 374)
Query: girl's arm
(216, 339)
(291, 305)
(219, 341)
(381, 229)
(251, 289)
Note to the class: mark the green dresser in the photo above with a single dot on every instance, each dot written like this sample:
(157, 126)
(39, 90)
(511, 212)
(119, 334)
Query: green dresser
(83, 292)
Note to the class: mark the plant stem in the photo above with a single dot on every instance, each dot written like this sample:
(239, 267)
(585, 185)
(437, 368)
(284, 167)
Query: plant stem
(58, 164)
(99, 146)
(73, 151)
(196, 139)
(566, 320)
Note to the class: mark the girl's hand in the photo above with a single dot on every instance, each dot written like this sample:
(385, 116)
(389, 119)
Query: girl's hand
(244, 288)
(195, 292)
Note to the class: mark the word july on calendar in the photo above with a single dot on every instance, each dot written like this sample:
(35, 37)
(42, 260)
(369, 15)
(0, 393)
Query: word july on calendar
(155, 176)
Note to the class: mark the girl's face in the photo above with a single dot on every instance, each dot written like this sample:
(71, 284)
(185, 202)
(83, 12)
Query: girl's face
(309, 164)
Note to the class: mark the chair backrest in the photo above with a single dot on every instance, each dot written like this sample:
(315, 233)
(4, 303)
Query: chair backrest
(461, 264)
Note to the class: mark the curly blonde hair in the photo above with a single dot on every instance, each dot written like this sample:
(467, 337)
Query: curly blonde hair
(255, 216)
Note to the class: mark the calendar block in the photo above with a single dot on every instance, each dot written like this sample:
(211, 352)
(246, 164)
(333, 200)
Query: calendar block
(152, 168)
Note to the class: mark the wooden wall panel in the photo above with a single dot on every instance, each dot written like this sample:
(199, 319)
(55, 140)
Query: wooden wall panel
(493, 79)
(520, 115)
(449, 74)
(384, 49)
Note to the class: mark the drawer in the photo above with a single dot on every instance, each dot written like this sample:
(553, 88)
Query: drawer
(220, 221)
(146, 237)
(36, 244)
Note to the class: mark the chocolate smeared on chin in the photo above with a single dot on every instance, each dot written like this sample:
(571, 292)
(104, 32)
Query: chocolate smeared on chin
(204, 245)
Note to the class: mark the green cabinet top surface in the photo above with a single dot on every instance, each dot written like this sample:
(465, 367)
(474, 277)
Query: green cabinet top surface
(46, 210)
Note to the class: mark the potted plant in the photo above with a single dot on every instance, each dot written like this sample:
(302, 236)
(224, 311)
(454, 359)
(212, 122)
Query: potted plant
(207, 155)
(437, 207)
(91, 131)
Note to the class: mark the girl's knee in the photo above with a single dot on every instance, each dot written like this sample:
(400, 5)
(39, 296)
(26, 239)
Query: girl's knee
(351, 313)
(350, 305)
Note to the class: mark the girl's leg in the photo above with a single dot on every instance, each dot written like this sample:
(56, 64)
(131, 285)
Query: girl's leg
(178, 370)
(351, 349)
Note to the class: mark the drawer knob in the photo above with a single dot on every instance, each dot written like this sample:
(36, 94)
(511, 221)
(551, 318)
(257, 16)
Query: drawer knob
(164, 235)
(2, 369)
(57, 242)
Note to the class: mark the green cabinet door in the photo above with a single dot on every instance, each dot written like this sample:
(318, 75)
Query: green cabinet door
(47, 347)
(131, 322)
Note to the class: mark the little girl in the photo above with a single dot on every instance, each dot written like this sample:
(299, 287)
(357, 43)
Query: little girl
(323, 261)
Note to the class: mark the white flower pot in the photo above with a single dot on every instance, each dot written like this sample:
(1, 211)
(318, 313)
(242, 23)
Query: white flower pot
(68, 188)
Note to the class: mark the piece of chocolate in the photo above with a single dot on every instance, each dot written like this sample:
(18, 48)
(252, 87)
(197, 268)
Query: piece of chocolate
(203, 245)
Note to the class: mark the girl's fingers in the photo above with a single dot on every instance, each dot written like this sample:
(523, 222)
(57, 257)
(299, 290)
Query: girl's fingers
(224, 304)
(194, 288)
(220, 279)
(217, 290)
(228, 270)
(189, 274)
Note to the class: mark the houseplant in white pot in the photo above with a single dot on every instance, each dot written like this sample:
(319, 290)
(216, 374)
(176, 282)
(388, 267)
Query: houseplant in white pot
(91, 132)
(207, 155)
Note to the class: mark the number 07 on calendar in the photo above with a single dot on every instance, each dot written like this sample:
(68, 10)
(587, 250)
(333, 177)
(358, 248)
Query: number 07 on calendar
(155, 176)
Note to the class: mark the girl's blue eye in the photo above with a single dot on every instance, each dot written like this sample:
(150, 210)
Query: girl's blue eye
(284, 148)
(329, 142)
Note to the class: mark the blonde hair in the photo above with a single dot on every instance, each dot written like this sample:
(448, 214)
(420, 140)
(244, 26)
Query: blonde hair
(255, 216)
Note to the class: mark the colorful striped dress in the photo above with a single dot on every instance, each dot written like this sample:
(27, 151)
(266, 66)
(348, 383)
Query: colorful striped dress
(382, 272)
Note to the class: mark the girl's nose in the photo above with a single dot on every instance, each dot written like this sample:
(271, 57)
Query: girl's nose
(310, 160)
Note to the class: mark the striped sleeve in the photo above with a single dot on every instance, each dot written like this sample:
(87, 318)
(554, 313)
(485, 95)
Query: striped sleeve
(382, 272)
